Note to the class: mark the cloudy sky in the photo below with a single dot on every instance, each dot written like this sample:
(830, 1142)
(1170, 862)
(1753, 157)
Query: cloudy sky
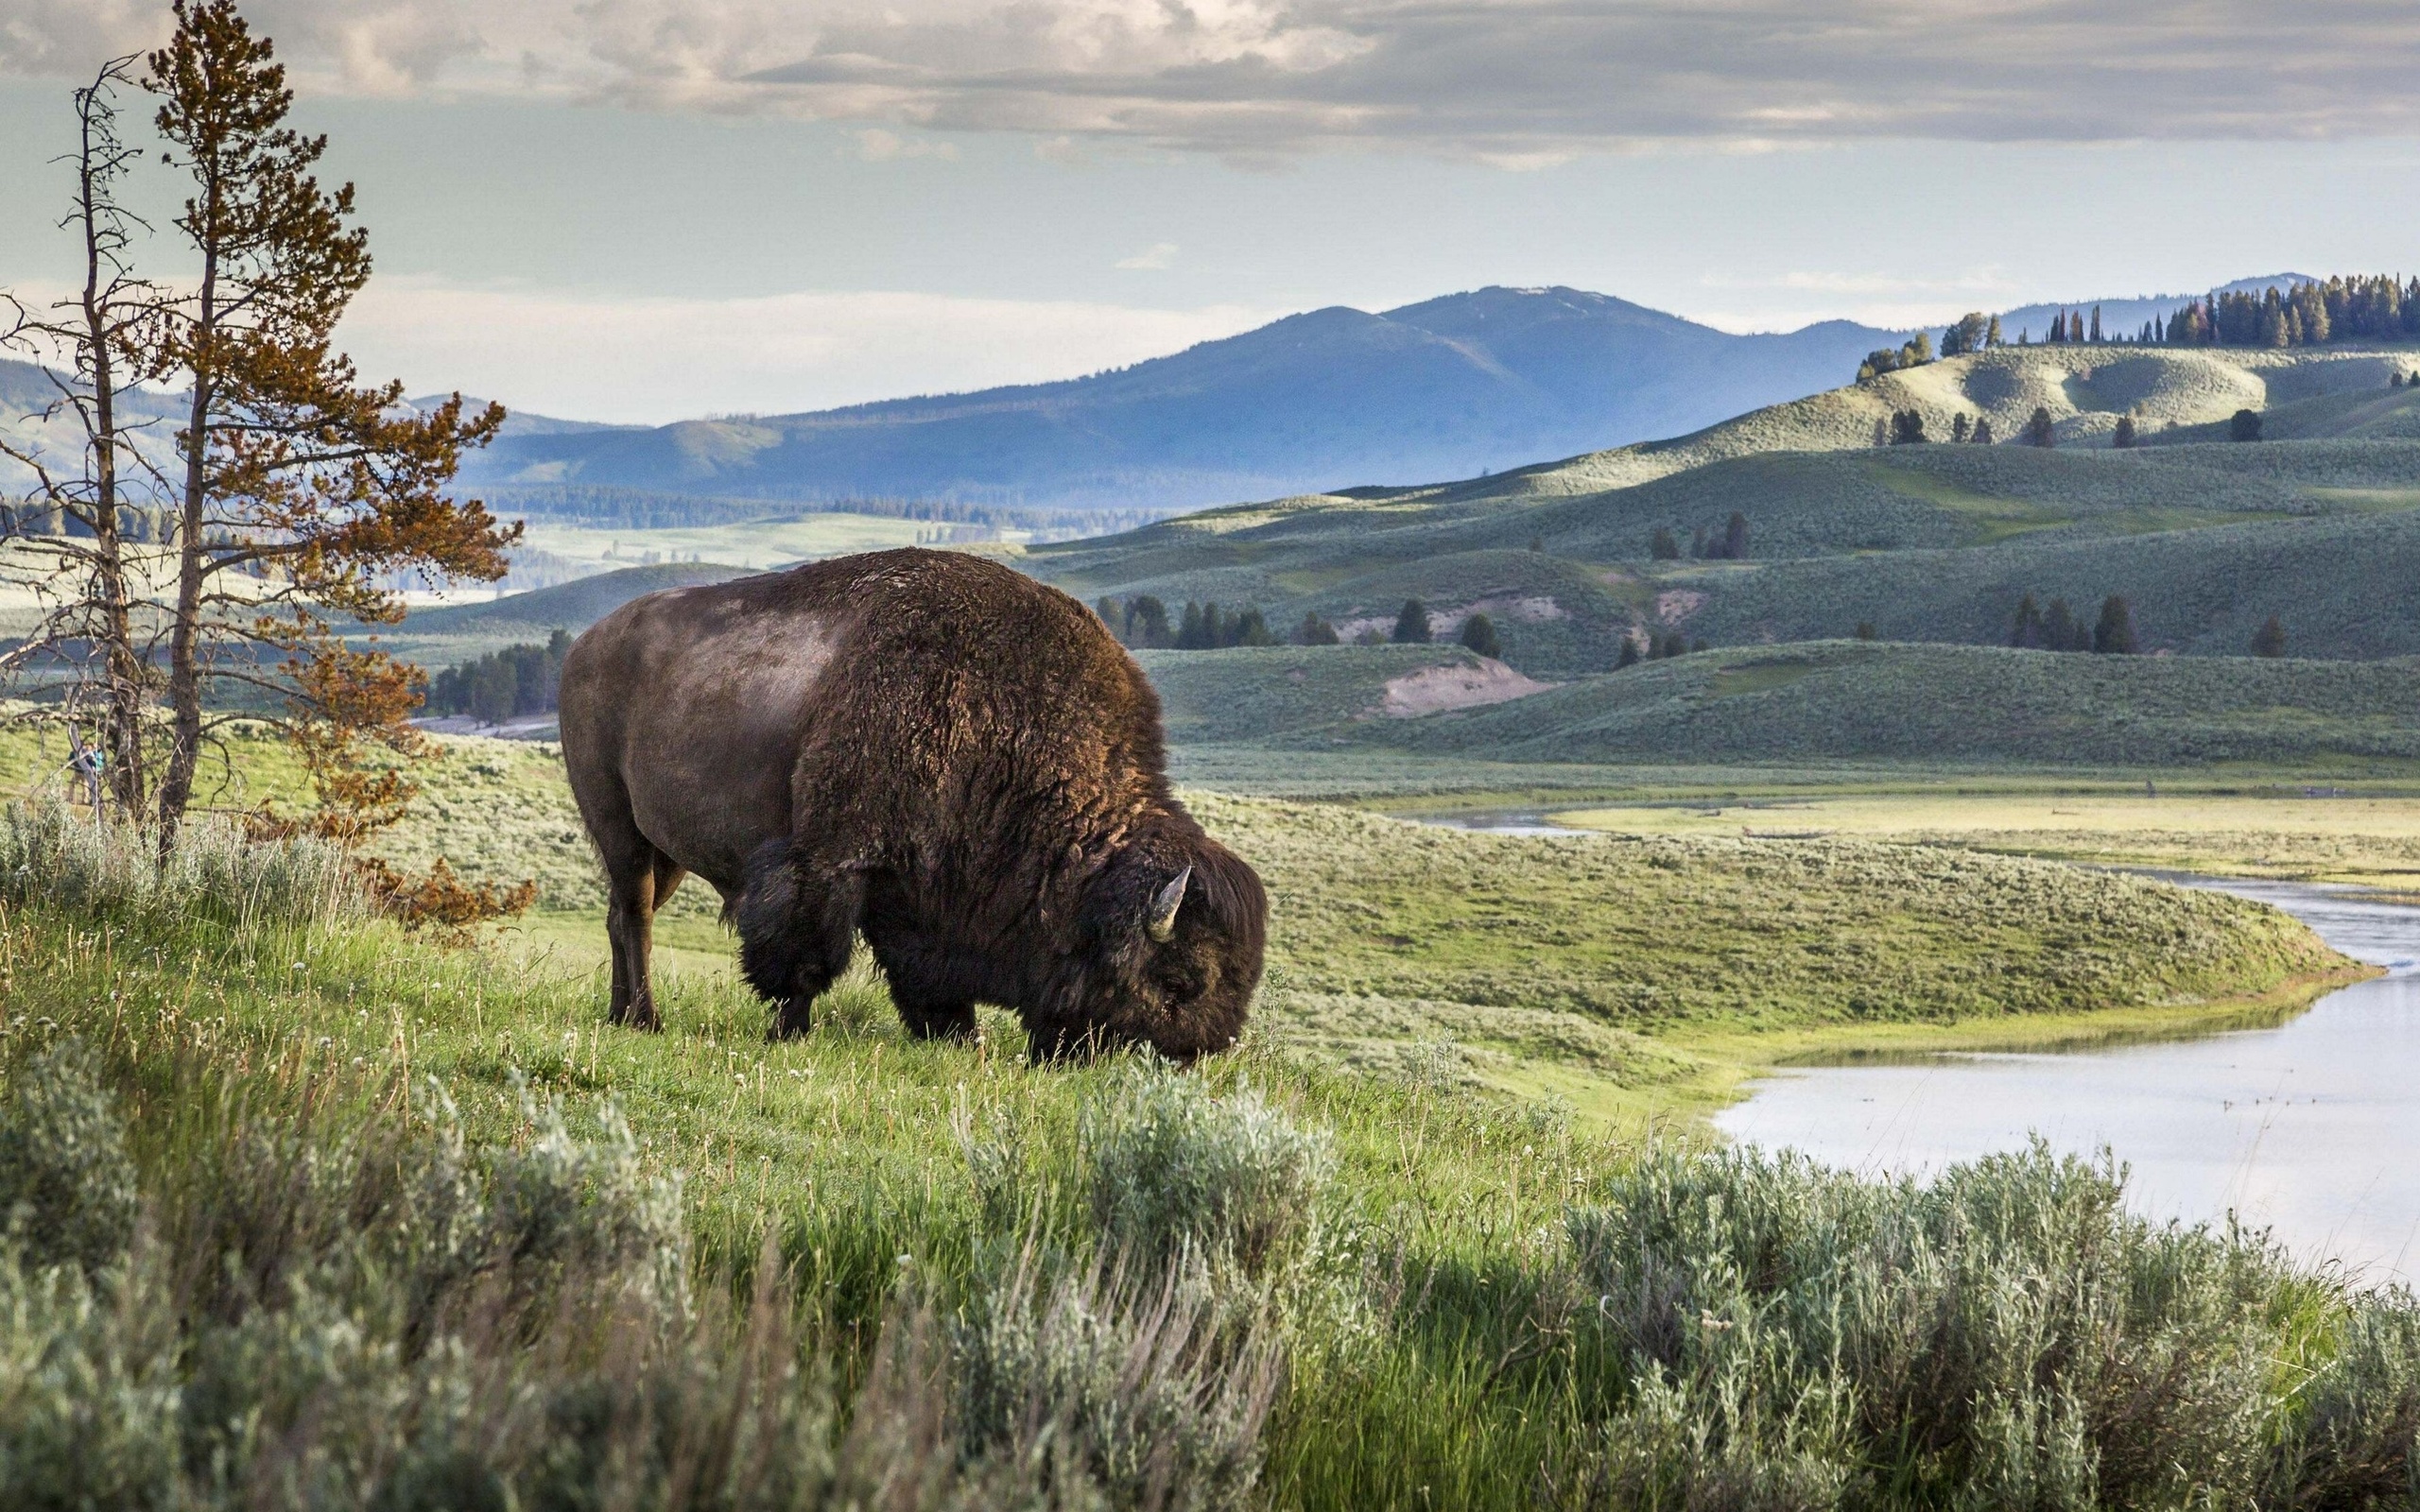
(644, 209)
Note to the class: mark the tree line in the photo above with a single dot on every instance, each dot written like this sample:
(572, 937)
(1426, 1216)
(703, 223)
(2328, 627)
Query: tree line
(2372, 307)
(519, 679)
(2375, 308)
(2059, 629)
(1730, 544)
(1144, 623)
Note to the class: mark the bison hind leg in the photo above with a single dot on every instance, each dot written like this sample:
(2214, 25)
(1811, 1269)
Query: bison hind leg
(795, 927)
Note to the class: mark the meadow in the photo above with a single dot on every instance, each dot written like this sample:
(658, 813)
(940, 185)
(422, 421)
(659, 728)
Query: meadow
(2363, 835)
(306, 1211)
(1985, 706)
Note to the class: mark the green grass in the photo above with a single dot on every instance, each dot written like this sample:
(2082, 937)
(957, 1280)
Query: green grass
(260, 1260)
(1984, 706)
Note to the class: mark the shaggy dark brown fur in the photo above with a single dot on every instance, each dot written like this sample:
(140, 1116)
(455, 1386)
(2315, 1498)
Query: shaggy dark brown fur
(927, 748)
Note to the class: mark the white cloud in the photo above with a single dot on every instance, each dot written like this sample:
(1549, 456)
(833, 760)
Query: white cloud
(1520, 83)
(875, 145)
(664, 359)
(1157, 255)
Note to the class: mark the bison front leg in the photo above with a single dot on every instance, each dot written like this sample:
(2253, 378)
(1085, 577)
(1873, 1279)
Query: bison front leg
(796, 923)
(927, 1019)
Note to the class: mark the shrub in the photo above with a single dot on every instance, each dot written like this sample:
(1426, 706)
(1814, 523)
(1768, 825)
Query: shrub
(2006, 1335)
(2270, 639)
(2124, 435)
(1664, 545)
(1176, 1171)
(1411, 625)
(1314, 630)
(50, 855)
(564, 1208)
(1136, 1390)
(66, 1182)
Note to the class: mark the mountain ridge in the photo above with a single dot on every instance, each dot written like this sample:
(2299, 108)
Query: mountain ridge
(1326, 398)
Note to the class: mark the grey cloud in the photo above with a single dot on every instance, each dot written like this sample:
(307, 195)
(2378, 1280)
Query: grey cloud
(1508, 79)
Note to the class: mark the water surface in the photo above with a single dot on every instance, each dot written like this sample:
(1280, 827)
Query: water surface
(2311, 1128)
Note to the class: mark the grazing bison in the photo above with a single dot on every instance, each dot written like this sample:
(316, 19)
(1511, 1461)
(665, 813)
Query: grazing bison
(926, 748)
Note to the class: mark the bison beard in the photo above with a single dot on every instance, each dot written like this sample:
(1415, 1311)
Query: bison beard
(926, 749)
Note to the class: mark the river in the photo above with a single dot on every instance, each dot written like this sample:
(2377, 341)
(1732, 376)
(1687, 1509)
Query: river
(2310, 1128)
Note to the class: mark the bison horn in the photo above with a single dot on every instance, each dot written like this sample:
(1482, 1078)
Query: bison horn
(1161, 926)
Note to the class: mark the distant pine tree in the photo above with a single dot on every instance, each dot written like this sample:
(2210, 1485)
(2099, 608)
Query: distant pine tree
(2026, 634)
(2062, 630)
(1479, 635)
(2396, 381)
(1628, 655)
(2270, 639)
(1189, 634)
(1214, 626)
(1735, 538)
(1982, 436)
(2125, 434)
(1908, 429)
(1882, 433)
(2039, 431)
(1314, 630)
(1865, 630)
(1958, 430)
(1992, 336)
(1112, 612)
(1673, 644)
(1251, 629)
(1411, 625)
(2096, 325)
(1664, 546)
(2245, 425)
(1146, 621)
(2115, 634)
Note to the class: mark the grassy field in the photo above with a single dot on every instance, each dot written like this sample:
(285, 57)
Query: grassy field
(305, 1213)
(1596, 968)
(2291, 831)
(1978, 705)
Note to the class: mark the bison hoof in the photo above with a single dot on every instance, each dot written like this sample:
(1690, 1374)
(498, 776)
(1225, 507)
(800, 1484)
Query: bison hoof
(791, 1022)
(635, 1019)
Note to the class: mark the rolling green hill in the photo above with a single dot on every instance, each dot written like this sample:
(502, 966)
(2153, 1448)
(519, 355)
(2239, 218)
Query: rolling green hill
(1852, 699)
(2085, 389)
(2206, 537)
(474, 630)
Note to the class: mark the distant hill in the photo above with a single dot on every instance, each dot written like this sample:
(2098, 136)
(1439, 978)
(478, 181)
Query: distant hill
(1863, 701)
(1444, 389)
(573, 606)
(2207, 537)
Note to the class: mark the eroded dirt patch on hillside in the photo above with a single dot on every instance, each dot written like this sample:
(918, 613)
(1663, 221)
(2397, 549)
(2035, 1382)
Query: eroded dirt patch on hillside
(1434, 690)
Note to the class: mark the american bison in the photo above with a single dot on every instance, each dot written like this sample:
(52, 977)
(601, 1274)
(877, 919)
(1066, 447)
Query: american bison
(932, 751)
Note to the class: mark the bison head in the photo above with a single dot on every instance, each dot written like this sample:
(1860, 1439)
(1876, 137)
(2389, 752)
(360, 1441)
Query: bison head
(1174, 927)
